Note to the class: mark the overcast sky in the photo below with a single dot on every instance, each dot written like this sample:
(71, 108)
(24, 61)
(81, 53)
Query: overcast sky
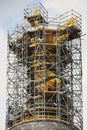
(11, 13)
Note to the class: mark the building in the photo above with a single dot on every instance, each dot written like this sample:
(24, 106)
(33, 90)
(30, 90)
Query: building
(44, 88)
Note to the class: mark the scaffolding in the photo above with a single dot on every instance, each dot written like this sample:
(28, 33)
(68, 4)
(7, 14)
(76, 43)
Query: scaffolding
(45, 69)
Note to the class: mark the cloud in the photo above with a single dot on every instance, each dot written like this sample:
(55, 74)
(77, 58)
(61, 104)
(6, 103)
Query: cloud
(3, 56)
(62, 5)
(12, 11)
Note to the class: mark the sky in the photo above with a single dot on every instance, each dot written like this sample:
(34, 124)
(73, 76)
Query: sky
(11, 13)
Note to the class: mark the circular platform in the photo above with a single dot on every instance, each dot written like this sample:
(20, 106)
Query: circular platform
(44, 125)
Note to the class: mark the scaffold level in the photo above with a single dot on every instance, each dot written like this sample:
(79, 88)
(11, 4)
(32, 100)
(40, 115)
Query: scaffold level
(45, 72)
